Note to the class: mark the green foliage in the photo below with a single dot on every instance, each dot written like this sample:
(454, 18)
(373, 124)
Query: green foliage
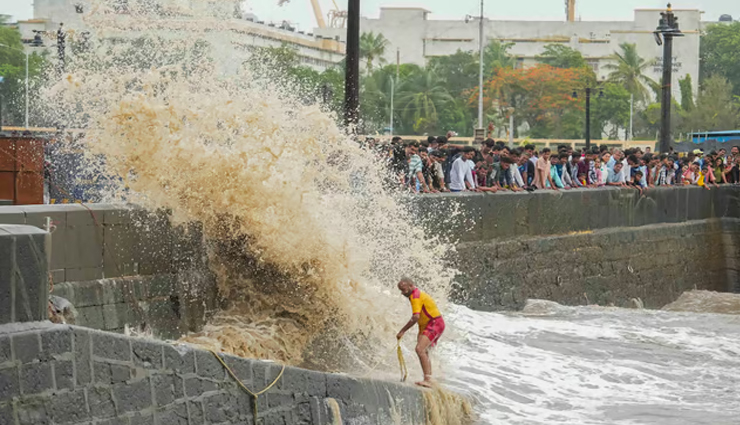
(496, 56)
(421, 97)
(562, 56)
(372, 48)
(13, 70)
(460, 71)
(716, 108)
(629, 72)
(283, 65)
(687, 93)
(720, 53)
(610, 107)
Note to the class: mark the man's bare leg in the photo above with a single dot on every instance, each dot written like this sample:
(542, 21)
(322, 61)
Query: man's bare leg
(422, 350)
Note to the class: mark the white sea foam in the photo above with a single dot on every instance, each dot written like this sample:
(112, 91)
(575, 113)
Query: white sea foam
(595, 365)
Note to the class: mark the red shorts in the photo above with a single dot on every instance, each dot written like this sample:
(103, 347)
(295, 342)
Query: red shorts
(434, 330)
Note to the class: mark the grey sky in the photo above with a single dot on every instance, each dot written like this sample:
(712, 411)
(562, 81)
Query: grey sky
(300, 12)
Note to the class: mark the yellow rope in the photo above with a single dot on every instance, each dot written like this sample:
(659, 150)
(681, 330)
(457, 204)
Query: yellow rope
(238, 381)
(402, 362)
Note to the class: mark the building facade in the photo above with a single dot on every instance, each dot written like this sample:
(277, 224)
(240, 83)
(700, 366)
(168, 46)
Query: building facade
(416, 38)
(319, 52)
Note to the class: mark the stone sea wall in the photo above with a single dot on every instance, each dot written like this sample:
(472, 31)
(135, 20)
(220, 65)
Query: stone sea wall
(489, 217)
(61, 374)
(605, 246)
(653, 263)
(122, 266)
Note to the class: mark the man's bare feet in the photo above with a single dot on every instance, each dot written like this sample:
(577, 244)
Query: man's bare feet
(427, 382)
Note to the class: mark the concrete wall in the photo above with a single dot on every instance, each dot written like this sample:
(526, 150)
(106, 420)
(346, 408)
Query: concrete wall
(515, 246)
(655, 263)
(510, 215)
(60, 374)
(23, 277)
(121, 266)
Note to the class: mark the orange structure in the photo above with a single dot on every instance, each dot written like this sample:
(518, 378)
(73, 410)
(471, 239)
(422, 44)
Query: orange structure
(22, 170)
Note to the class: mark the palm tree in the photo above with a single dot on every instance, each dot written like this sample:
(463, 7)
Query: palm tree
(420, 96)
(372, 47)
(629, 72)
(496, 55)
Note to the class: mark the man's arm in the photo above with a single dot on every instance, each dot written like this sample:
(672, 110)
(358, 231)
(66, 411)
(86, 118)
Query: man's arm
(469, 181)
(420, 178)
(410, 324)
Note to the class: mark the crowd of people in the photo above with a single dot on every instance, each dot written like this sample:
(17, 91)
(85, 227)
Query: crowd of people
(435, 165)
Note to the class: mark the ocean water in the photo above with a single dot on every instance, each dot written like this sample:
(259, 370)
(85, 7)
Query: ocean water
(551, 364)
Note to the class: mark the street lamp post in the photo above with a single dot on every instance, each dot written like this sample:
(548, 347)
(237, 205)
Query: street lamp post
(27, 54)
(588, 118)
(664, 34)
(481, 46)
(588, 91)
(352, 75)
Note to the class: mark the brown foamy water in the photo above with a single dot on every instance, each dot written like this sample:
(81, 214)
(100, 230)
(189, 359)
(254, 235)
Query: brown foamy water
(706, 302)
(306, 240)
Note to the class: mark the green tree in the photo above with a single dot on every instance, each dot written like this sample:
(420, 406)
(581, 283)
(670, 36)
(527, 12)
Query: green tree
(421, 97)
(372, 48)
(459, 70)
(496, 56)
(720, 53)
(13, 71)
(610, 111)
(716, 108)
(687, 93)
(629, 71)
(375, 98)
(562, 56)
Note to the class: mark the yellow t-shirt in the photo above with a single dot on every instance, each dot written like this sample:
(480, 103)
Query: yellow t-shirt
(424, 306)
(701, 179)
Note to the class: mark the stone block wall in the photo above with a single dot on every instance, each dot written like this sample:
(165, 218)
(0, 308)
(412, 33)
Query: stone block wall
(99, 241)
(122, 266)
(23, 274)
(487, 217)
(60, 374)
(655, 263)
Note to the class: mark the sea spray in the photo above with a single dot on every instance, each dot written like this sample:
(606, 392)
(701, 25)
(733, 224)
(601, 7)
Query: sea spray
(305, 237)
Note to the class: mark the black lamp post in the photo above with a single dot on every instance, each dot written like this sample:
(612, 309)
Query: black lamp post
(664, 34)
(589, 90)
(352, 73)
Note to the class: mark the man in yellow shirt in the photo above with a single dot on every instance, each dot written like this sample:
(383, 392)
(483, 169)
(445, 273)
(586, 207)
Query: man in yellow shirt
(431, 325)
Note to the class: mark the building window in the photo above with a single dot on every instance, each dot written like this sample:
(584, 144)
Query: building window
(594, 64)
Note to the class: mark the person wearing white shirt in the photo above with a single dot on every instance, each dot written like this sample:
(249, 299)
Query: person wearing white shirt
(461, 174)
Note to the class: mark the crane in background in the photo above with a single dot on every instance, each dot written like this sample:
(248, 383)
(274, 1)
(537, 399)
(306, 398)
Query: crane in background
(337, 17)
(570, 10)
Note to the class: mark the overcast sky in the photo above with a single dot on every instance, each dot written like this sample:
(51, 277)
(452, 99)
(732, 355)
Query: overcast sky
(300, 13)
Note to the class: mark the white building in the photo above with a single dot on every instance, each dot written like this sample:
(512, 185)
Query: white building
(416, 38)
(315, 51)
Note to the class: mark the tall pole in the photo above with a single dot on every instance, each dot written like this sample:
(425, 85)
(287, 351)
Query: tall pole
(632, 108)
(352, 76)
(392, 93)
(588, 119)
(511, 128)
(665, 104)
(26, 90)
(481, 46)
